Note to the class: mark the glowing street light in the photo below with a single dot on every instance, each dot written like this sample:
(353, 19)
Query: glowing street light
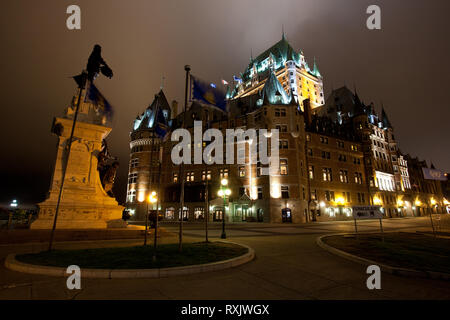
(152, 197)
(224, 192)
(14, 204)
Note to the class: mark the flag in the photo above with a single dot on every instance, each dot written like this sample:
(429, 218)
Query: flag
(224, 82)
(80, 79)
(94, 96)
(433, 174)
(237, 79)
(161, 129)
(206, 93)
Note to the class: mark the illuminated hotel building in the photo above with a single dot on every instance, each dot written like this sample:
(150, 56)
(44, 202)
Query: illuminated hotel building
(334, 154)
(290, 68)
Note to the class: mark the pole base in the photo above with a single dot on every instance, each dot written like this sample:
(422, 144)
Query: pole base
(223, 236)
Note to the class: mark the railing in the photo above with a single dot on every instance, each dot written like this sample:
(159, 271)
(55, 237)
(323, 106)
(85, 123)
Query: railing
(441, 223)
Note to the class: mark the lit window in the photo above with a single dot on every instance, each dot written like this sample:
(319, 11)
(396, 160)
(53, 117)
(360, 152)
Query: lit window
(134, 163)
(132, 178)
(283, 167)
(343, 176)
(204, 175)
(326, 173)
(242, 172)
(358, 178)
(131, 195)
(175, 177)
(311, 172)
(190, 176)
(223, 173)
(199, 213)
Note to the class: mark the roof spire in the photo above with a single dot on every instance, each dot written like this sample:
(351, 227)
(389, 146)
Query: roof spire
(384, 118)
(162, 82)
(282, 31)
(315, 69)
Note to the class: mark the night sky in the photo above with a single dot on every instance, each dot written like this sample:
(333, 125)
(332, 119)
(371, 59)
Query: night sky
(405, 65)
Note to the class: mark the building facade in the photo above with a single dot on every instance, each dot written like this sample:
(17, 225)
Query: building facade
(333, 154)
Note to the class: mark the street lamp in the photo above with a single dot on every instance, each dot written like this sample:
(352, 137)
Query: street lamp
(14, 203)
(150, 199)
(224, 192)
(141, 199)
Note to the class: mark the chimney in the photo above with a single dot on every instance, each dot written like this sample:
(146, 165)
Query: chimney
(307, 111)
(174, 109)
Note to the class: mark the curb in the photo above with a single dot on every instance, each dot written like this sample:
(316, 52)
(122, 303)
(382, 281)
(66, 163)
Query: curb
(12, 264)
(385, 268)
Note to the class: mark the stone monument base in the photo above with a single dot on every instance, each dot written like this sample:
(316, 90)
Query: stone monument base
(80, 218)
(84, 203)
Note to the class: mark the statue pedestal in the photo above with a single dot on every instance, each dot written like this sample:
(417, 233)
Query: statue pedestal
(84, 203)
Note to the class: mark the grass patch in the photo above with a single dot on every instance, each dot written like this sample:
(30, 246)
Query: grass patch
(405, 250)
(138, 257)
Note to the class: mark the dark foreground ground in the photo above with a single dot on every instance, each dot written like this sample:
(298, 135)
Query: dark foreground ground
(288, 265)
(399, 249)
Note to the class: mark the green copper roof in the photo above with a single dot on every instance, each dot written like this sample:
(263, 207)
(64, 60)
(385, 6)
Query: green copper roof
(158, 111)
(316, 70)
(277, 54)
(385, 119)
(273, 91)
(273, 58)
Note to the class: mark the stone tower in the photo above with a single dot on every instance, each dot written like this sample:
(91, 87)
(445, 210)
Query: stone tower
(145, 142)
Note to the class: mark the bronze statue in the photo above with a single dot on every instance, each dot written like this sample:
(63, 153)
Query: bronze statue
(96, 64)
(107, 171)
(109, 177)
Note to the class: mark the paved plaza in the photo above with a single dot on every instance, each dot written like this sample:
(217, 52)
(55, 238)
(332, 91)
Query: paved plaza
(288, 265)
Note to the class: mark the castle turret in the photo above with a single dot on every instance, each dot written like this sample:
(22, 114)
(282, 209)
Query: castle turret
(146, 138)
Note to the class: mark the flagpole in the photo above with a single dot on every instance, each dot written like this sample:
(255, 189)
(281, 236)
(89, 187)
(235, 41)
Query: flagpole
(81, 87)
(187, 68)
(150, 180)
(206, 191)
(157, 204)
(150, 169)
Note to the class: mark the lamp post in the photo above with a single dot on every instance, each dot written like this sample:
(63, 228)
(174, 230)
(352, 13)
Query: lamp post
(152, 198)
(147, 200)
(224, 192)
